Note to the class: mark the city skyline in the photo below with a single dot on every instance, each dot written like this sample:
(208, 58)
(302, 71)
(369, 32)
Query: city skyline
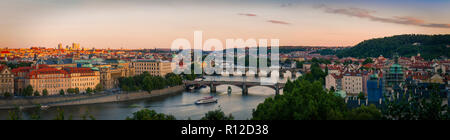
(138, 24)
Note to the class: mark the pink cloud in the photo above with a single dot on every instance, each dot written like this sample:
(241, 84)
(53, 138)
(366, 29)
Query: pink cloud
(278, 22)
(367, 14)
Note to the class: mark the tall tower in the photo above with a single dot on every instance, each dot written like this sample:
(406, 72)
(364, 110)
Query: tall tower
(75, 46)
(60, 47)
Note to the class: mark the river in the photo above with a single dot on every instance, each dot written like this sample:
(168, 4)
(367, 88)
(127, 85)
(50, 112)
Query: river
(180, 105)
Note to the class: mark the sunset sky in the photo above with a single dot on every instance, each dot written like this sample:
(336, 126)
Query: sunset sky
(156, 23)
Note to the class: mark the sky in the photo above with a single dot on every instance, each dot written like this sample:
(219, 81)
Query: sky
(137, 24)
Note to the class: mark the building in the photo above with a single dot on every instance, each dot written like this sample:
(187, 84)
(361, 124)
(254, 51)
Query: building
(60, 46)
(155, 68)
(51, 79)
(333, 81)
(6, 80)
(83, 78)
(54, 80)
(375, 88)
(394, 76)
(352, 83)
(21, 75)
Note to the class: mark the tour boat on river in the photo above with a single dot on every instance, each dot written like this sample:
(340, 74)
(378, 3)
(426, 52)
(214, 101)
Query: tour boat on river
(206, 100)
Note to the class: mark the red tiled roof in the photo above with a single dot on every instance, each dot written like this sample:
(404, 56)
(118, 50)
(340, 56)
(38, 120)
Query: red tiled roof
(78, 70)
(44, 71)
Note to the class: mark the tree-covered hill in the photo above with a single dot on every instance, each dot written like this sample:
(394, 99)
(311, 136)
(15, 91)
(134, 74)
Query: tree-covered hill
(429, 46)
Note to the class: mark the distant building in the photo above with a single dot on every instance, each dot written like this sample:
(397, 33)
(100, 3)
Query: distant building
(83, 78)
(375, 88)
(352, 83)
(6, 80)
(155, 68)
(333, 81)
(51, 79)
(41, 76)
(394, 76)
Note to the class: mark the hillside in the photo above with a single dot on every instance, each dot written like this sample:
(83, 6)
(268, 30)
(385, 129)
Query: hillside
(429, 46)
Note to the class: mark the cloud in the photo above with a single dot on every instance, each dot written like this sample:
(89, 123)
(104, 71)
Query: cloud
(368, 14)
(278, 22)
(247, 14)
(287, 5)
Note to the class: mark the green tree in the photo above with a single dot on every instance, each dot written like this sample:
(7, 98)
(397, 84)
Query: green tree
(60, 115)
(415, 107)
(15, 114)
(362, 96)
(89, 90)
(7, 94)
(87, 115)
(61, 92)
(217, 114)
(77, 90)
(71, 90)
(36, 93)
(367, 61)
(28, 91)
(364, 113)
(146, 114)
(305, 101)
(44, 92)
(98, 88)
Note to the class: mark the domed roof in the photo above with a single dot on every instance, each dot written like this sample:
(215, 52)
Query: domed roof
(396, 69)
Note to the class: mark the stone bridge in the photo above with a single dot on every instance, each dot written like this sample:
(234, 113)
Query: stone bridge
(243, 85)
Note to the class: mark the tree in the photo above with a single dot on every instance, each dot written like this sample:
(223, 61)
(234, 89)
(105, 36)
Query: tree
(61, 92)
(361, 96)
(70, 91)
(217, 114)
(408, 106)
(306, 101)
(36, 93)
(60, 115)
(15, 114)
(364, 113)
(89, 90)
(77, 90)
(367, 61)
(28, 91)
(98, 88)
(44, 92)
(7, 94)
(146, 114)
(430, 47)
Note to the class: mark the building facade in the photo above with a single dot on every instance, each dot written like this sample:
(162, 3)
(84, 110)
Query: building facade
(6, 80)
(333, 81)
(54, 80)
(155, 68)
(352, 83)
(375, 88)
(51, 79)
(83, 78)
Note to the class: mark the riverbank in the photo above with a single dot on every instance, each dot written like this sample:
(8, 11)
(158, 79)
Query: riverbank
(56, 101)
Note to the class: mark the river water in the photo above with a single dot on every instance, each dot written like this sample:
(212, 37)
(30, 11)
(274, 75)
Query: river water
(180, 105)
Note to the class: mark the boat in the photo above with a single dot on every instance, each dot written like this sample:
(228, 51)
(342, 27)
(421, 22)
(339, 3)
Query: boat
(191, 87)
(206, 100)
(45, 107)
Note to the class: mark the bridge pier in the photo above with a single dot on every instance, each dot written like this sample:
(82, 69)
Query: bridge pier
(277, 89)
(244, 89)
(212, 88)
